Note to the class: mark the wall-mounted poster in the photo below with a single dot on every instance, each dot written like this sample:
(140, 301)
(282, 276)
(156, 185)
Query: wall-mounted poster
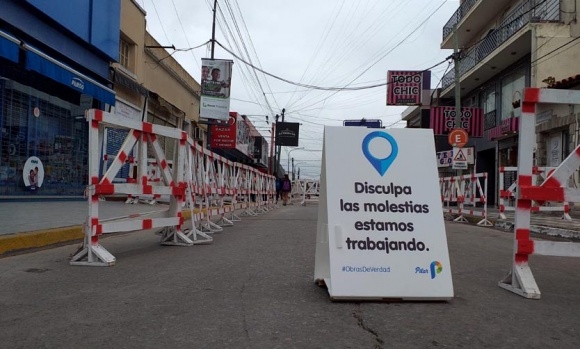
(33, 173)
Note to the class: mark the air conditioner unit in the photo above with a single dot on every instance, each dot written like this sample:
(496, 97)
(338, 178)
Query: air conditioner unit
(197, 134)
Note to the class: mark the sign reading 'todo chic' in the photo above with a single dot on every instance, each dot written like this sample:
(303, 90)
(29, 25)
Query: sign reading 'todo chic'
(380, 229)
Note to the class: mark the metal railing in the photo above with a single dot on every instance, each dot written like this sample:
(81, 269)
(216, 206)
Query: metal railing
(458, 16)
(489, 120)
(530, 11)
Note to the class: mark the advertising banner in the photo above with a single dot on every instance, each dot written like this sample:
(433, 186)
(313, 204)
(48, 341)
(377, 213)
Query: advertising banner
(287, 133)
(243, 136)
(216, 78)
(224, 137)
(443, 120)
(404, 87)
(380, 232)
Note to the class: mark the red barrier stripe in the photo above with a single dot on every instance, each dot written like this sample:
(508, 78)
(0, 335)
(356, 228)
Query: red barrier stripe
(529, 108)
(105, 189)
(147, 127)
(525, 247)
(147, 189)
(98, 115)
(532, 95)
(524, 204)
(524, 180)
(541, 194)
(147, 224)
(122, 157)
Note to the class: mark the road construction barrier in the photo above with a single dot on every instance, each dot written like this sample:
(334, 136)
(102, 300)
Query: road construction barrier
(457, 192)
(305, 191)
(507, 196)
(201, 182)
(520, 279)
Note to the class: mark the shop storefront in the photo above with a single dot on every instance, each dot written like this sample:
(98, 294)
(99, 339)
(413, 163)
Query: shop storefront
(43, 97)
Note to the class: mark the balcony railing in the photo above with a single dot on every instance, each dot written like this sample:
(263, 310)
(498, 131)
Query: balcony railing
(458, 16)
(528, 11)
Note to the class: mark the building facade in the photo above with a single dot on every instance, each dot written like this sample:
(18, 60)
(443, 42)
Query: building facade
(54, 64)
(506, 46)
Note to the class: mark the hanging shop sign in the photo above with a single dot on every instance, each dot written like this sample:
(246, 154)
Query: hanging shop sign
(287, 133)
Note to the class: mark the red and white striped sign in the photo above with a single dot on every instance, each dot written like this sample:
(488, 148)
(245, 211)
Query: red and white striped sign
(404, 87)
(443, 120)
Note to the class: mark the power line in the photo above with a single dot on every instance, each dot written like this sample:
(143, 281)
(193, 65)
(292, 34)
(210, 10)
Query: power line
(344, 88)
(556, 49)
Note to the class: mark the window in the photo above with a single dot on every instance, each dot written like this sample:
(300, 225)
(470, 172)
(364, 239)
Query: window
(511, 92)
(488, 100)
(125, 53)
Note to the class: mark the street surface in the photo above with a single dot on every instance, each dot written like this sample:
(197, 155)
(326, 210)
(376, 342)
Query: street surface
(253, 288)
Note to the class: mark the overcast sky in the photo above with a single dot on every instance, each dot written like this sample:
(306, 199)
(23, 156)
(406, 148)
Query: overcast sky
(326, 43)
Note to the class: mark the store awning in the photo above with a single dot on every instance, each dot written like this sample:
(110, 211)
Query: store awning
(50, 67)
(9, 47)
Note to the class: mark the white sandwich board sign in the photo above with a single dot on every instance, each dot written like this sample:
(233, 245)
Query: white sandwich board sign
(380, 232)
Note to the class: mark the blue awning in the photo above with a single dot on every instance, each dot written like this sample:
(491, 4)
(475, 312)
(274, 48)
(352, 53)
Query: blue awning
(9, 47)
(50, 67)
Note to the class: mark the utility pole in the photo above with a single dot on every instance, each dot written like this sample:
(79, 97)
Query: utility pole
(456, 60)
(279, 147)
(293, 169)
(209, 124)
(275, 167)
(213, 29)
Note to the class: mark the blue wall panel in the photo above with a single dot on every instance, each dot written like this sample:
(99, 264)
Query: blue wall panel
(94, 21)
(72, 15)
(106, 26)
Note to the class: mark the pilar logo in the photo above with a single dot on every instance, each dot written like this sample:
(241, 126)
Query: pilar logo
(380, 164)
(78, 83)
(435, 268)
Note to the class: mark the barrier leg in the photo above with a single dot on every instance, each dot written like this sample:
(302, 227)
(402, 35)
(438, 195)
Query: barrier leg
(93, 254)
(521, 281)
(171, 236)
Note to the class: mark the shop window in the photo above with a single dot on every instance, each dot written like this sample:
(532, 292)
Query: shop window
(42, 142)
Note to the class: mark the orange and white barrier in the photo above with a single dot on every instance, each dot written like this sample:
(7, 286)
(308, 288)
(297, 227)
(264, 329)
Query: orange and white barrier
(465, 190)
(521, 280)
(208, 184)
(507, 196)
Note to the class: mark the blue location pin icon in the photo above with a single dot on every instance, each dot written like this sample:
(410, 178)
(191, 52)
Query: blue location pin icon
(381, 165)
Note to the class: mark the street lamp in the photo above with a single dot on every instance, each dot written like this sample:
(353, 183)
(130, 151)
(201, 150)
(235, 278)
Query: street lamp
(291, 150)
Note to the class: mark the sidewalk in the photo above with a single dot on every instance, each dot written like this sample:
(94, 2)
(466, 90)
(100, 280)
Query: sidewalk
(25, 225)
(254, 288)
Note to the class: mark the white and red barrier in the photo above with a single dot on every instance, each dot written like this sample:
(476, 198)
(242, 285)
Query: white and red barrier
(465, 190)
(305, 190)
(521, 280)
(507, 196)
(208, 184)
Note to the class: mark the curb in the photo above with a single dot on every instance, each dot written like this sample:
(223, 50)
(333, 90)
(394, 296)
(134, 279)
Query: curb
(21, 242)
(41, 238)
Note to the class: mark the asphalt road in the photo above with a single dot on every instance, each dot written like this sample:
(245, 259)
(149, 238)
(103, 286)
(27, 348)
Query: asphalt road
(253, 288)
